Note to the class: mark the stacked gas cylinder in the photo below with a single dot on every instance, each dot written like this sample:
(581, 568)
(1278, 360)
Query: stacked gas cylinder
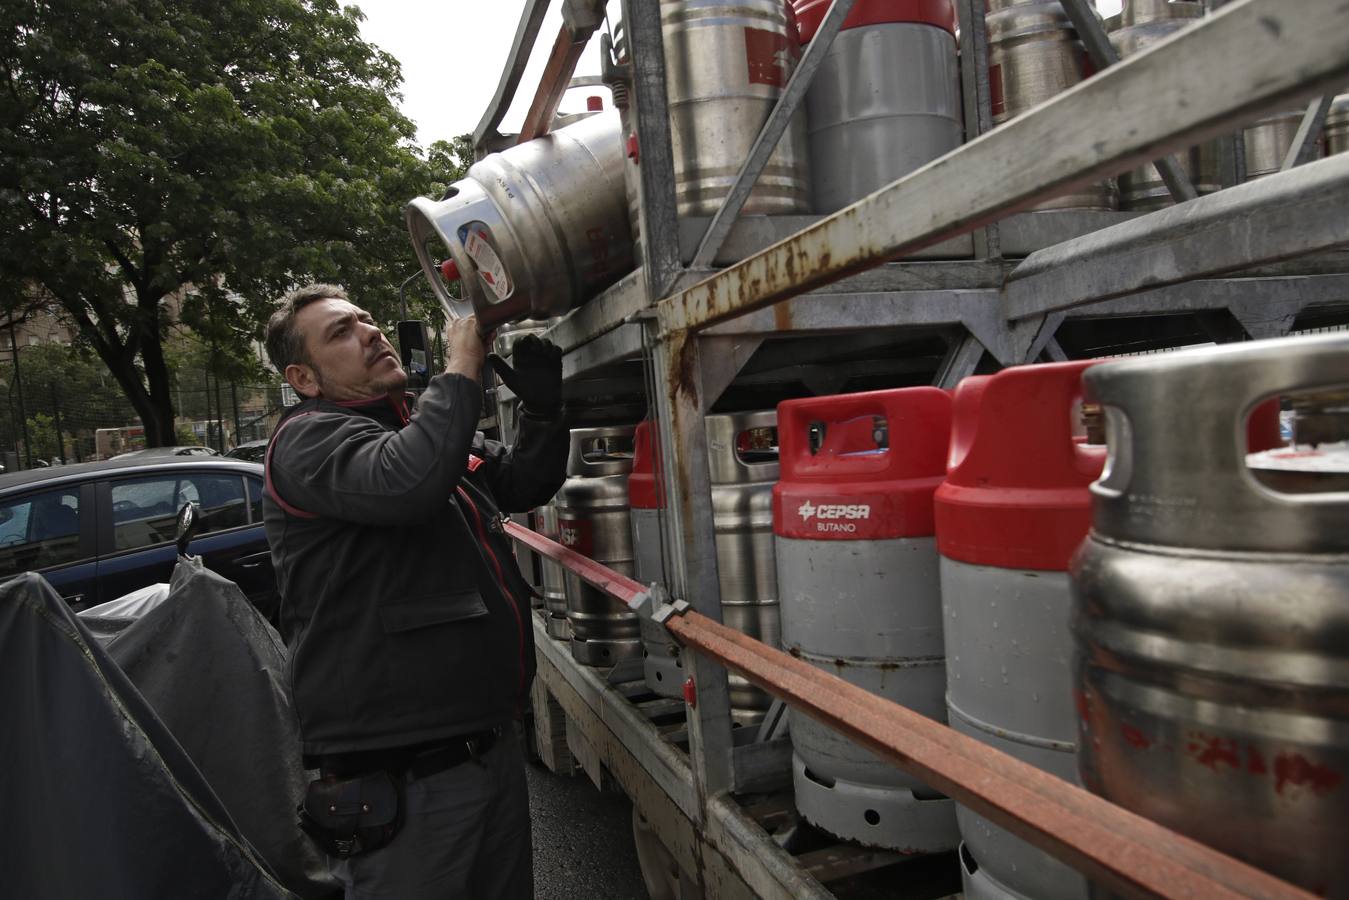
(743, 468)
(1162, 621)
(540, 228)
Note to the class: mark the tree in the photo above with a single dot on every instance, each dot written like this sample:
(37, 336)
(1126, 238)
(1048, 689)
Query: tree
(176, 152)
(66, 386)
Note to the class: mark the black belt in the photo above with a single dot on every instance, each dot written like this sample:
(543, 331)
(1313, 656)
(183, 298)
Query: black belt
(458, 750)
(411, 762)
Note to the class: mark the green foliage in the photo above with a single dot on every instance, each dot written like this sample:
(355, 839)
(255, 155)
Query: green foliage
(42, 436)
(220, 152)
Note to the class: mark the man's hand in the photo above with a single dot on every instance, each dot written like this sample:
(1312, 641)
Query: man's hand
(465, 348)
(536, 376)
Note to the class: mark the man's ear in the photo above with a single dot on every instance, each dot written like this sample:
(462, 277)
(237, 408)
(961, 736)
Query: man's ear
(302, 378)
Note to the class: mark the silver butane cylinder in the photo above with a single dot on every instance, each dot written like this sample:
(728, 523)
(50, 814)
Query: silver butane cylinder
(742, 515)
(885, 101)
(533, 230)
(1033, 55)
(1337, 126)
(1143, 23)
(1268, 142)
(592, 519)
(553, 576)
(726, 65)
(1210, 612)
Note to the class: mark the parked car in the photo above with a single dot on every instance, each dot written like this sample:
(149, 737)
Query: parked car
(99, 530)
(168, 451)
(253, 451)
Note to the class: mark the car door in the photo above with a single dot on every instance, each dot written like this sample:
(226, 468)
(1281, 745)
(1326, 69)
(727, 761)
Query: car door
(52, 531)
(142, 511)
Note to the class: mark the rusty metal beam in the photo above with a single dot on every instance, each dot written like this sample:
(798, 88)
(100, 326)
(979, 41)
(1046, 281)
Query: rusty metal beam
(1118, 850)
(1288, 51)
(567, 49)
(619, 587)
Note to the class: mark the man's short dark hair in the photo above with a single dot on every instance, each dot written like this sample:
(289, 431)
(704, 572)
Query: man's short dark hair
(285, 344)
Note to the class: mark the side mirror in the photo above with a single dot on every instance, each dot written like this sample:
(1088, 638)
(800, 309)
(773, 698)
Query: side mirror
(188, 526)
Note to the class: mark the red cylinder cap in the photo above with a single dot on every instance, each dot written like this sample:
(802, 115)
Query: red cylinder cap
(1016, 490)
(594, 103)
(938, 13)
(859, 467)
(1262, 428)
(644, 489)
(449, 270)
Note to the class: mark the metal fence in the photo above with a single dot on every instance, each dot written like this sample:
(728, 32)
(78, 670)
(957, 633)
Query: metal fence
(45, 425)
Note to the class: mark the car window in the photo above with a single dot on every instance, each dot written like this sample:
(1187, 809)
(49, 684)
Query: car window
(254, 499)
(40, 531)
(145, 510)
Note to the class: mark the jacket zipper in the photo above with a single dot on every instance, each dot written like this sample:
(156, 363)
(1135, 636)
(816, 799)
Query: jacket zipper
(501, 581)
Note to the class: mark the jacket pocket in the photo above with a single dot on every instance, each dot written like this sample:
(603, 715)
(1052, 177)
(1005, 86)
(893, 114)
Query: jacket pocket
(423, 612)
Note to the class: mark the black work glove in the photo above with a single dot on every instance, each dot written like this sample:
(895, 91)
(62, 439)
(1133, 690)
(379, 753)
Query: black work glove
(536, 376)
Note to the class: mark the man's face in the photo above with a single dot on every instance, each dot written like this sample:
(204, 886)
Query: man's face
(349, 357)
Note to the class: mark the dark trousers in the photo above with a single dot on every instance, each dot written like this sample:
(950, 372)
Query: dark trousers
(465, 835)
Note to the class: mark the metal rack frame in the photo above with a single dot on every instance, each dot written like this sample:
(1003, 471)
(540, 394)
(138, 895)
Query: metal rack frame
(1250, 258)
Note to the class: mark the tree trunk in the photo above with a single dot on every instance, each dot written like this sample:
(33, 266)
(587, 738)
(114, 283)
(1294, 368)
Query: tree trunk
(153, 405)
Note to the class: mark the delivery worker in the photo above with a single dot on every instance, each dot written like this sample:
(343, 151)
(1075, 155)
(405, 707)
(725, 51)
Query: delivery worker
(407, 621)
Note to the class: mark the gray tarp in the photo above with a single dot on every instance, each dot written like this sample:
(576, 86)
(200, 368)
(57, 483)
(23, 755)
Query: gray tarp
(165, 764)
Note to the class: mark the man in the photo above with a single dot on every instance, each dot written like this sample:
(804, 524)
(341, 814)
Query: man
(411, 651)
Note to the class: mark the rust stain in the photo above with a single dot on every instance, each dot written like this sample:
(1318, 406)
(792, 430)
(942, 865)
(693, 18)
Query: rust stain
(1297, 770)
(684, 360)
(1211, 751)
(782, 317)
(1134, 738)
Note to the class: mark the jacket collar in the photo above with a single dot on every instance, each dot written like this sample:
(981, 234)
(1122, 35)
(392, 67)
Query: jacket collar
(387, 410)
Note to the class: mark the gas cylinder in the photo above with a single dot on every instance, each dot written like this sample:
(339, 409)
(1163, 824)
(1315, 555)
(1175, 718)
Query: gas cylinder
(1210, 613)
(742, 461)
(1143, 23)
(1268, 141)
(661, 664)
(1337, 126)
(507, 335)
(886, 98)
(553, 576)
(859, 586)
(1013, 508)
(1033, 55)
(592, 519)
(531, 231)
(726, 65)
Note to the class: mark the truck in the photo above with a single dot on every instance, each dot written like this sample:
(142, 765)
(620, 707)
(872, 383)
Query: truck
(963, 266)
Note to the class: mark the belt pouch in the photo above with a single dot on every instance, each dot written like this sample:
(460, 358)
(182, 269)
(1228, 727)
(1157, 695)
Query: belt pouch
(350, 816)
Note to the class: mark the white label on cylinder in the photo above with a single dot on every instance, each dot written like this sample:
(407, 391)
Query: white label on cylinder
(490, 268)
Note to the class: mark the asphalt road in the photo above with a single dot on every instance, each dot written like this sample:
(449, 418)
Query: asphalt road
(582, 840)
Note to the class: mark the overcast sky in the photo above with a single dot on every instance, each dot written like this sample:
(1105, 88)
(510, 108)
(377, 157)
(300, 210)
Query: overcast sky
(453, 52)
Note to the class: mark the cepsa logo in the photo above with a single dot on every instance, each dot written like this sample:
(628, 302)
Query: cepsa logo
(834, 516)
